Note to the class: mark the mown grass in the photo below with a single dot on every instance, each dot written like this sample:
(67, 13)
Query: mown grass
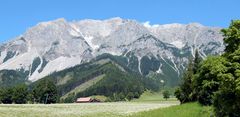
(149, 96)
(184, 110)
(113, 109)
(150, 104)
(119, 109)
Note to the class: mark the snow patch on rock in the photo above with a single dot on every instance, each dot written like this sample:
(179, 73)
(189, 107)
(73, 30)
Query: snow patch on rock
(178, 44)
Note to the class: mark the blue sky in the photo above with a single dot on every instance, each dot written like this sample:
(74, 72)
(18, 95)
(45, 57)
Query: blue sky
(18, 15)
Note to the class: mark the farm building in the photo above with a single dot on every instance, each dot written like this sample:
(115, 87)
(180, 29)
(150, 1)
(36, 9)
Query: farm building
(86, 100)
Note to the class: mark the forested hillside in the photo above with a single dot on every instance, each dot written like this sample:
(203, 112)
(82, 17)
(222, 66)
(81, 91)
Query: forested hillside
(111, 78)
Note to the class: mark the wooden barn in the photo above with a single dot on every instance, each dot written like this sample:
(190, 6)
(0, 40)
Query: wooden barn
(86, 100)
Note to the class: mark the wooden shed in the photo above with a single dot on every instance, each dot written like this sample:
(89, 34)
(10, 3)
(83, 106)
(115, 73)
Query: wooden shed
(86, 100)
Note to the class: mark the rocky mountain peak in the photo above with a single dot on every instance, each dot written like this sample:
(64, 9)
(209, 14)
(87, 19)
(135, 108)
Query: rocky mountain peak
(59, 44)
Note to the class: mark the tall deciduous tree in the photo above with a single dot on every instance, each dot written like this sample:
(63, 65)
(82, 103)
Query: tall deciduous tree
(227, 98)
(207, 80)
(166, 94)
(232, 36)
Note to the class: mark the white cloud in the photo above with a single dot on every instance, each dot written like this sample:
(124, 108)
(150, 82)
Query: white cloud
(148, 25)
(155, 25)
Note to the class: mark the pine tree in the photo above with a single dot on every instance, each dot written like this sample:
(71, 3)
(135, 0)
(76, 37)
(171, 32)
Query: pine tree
(196, 61)
(185, 90)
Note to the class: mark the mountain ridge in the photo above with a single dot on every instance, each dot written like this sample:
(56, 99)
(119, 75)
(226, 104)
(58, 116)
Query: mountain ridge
(56, 45)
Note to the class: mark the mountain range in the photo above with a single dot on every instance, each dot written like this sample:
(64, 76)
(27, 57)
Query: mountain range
(53, 46)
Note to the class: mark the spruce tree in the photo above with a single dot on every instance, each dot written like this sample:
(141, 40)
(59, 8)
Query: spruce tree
(196, 61)
(185, 90)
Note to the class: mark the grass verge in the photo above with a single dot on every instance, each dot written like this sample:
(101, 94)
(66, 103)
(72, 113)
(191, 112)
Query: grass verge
(184, 110)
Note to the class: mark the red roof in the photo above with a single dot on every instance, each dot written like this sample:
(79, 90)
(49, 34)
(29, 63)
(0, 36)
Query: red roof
(84, 99)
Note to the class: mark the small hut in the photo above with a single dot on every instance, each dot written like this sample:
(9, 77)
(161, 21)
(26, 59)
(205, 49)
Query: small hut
(86, 100)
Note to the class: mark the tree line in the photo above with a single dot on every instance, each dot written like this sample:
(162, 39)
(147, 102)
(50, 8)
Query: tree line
(43, 91)
(216, 80)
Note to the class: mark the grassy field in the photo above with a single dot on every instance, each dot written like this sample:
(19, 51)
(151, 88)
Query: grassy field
(185, 110)
(148, 105)
(149, 96)
(117, 109)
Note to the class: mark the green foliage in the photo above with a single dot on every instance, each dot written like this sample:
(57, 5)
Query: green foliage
(232, 36)
(117, 85)
(185, 91)
(197, 60)
(227, 98)
(119, 82)
(207, 79)
(217, 79)
(6, 95)
(154, 81)
(68, 79)
(45, 91)
(19, 94)
(166, 94)
(226, 103)
(15, 94)
(149, 64)
(30, 97)
(9, 78)
(69, 99)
